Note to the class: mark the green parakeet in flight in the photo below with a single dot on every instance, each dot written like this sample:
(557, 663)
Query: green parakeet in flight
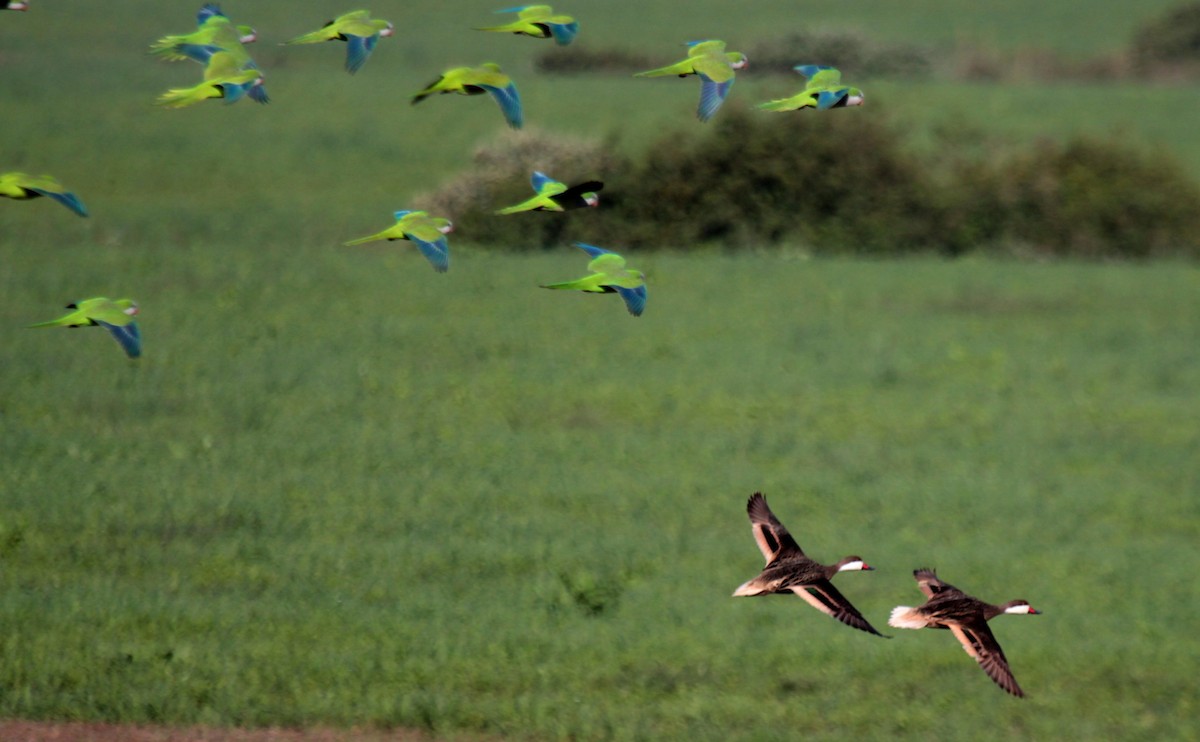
(213, 29)
(21, 187)
(223, 78)
(824, 90)
(360, 32)
(114, 316)
(427, 232)
(715, 67)
(486, 78)
(555, 196)
(609, 275)
(539, 22)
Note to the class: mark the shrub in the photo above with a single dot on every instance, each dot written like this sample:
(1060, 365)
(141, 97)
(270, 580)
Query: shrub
(1173, 39)
(1091, 198)
(834, 182)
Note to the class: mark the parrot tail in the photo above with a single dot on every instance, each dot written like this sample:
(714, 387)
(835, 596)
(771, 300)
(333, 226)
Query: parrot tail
(182, 97)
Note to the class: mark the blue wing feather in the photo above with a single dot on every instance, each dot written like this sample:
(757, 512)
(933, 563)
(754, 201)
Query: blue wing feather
(358, 48)
(830, 98)
(712, 95)
(591, 250)
(197, 52)
(400, 214)
(808, 70)
(541, 180)
(635, 299)
(258, 94)
(70, 200)
(564, 33)
(129, 336)
(437, 253)
(208, 11)
(510, 103)
(234, 91)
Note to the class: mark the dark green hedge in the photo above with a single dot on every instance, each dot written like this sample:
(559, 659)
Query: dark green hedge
(835, 182)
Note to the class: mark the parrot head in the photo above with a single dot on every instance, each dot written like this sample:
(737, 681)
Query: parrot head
(247, 35)
(591, 199)
(388, 30)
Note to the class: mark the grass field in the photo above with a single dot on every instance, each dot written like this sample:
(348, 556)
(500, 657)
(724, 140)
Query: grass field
(341, 490)
(357, 492)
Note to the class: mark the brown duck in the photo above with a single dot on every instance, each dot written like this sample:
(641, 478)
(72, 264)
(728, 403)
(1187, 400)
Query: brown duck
(948, 607)
(789, 570)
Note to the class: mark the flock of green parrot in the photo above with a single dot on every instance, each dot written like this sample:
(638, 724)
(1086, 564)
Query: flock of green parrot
(231, 74)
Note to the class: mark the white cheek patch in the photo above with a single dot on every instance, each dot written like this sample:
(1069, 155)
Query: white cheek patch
(851, 566)
(1018, 609)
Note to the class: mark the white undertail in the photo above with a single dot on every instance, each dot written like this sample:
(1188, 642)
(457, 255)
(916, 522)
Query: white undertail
(747, 589)
(906, 617)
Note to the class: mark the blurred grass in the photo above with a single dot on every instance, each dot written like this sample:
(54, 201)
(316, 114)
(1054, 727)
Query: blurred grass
(341, 489)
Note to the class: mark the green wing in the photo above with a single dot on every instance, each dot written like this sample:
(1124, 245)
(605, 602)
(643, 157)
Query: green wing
(610, 264)
(535, 12)
(421, 226)
(825, 79)
(715, 67)
(221, 67)
(706, 47)
(587, 283)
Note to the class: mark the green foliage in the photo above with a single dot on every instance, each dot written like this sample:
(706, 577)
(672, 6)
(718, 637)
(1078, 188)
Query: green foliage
(1087, 198)
(752, 179)
(837, 182)
(1171, 39)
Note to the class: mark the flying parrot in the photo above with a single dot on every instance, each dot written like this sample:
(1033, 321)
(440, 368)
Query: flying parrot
(539, 22)
(20, 186)
(360, 32)
(486, 78)
(609, 275)
(555, 196)
(823, 90)
(222, 79)
(428, 232)
(114, 316)
(214, 29)
(715, 67)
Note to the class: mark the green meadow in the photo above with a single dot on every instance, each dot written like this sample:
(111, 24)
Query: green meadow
(341, 490)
